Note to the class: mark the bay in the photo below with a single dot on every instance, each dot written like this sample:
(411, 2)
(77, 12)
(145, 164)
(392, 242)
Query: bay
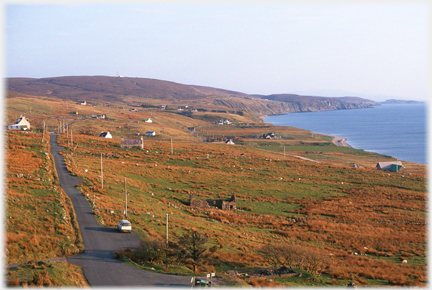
(397, 130)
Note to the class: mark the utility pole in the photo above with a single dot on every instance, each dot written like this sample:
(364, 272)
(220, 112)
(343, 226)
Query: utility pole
(172, 152)
(166, 253)
(125, 197)
(72, 139)
(43, 130)
(101, 171)
(284, 152)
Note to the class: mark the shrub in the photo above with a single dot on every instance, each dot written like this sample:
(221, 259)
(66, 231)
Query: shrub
(13, 282)
(150, 251)
(41, 278)
(335, 282)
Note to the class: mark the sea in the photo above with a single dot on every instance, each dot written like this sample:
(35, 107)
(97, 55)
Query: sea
(397, 130)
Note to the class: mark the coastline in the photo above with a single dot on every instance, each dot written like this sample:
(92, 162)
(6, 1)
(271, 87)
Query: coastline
(358, 126)
(338, 141)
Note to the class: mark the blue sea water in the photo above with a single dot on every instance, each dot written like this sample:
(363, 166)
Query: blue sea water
(398, 130)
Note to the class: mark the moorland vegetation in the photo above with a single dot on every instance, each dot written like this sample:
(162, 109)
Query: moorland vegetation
(339, 223)
(39, 218)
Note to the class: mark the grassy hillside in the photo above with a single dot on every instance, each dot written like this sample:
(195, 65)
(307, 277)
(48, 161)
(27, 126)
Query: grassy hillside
(329, 209)
(118, 91)
(40, 221)
(46, 274)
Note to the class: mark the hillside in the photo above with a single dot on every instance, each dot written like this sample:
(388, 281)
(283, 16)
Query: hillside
(138, 91)
(393, 101)
(326, 209)
(298, 103)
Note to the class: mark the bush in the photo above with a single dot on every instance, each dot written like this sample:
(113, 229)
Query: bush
(41, 278)
(13, 282)
(335, 282)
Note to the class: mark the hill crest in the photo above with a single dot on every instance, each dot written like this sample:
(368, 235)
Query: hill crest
(100, 89)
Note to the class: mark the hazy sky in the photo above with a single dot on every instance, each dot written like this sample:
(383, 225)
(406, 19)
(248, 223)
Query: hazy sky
(363, 49)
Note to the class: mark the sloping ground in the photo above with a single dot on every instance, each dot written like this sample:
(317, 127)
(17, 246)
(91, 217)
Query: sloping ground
(40, 222)
(333, 210)
(103, 89)
(310, 104)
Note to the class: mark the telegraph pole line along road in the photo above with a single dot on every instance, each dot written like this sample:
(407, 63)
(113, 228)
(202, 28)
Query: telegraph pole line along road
(99, 266)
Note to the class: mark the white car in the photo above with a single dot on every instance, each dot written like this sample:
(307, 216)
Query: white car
(124, 226)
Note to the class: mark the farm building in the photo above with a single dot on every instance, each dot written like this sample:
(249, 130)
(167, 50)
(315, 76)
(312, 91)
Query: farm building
(149, 120)
(132, 143)
(229, 142)
(223, 122)
(82, 103)
(269, 136)
(229, 204)
(21, 124)
(105, 135)
(393, 166)
(150, 133)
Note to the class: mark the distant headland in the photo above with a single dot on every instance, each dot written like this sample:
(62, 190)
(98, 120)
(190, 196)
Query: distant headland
(393, 101)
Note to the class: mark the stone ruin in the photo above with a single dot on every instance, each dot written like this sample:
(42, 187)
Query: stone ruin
(229, 204)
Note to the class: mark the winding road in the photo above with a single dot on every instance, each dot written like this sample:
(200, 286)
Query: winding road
(99, 266)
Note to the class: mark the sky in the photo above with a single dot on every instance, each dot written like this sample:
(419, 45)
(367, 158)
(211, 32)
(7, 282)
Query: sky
(378, 50)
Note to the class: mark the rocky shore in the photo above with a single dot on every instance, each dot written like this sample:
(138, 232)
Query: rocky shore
(339, 141)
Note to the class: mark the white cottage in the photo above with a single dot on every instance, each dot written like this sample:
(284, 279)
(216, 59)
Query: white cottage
(105, 135)
(230, 142)
(22, 124)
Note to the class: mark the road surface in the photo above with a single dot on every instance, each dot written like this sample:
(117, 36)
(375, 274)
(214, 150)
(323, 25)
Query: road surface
(99, 266)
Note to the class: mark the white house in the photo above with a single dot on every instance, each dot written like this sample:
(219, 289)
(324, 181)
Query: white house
(83, 103)
(22, 123)
(229, 142)
(150, 133)
(105, 135)
(149, 120)
(223, 122)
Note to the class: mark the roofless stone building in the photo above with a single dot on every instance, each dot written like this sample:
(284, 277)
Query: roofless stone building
(228, 204)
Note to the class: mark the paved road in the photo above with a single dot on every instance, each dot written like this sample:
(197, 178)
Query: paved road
(99, 267)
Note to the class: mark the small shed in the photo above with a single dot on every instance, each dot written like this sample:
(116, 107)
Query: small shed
(105, 135)
(150, 133)
(149, 120)
(393, 166)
